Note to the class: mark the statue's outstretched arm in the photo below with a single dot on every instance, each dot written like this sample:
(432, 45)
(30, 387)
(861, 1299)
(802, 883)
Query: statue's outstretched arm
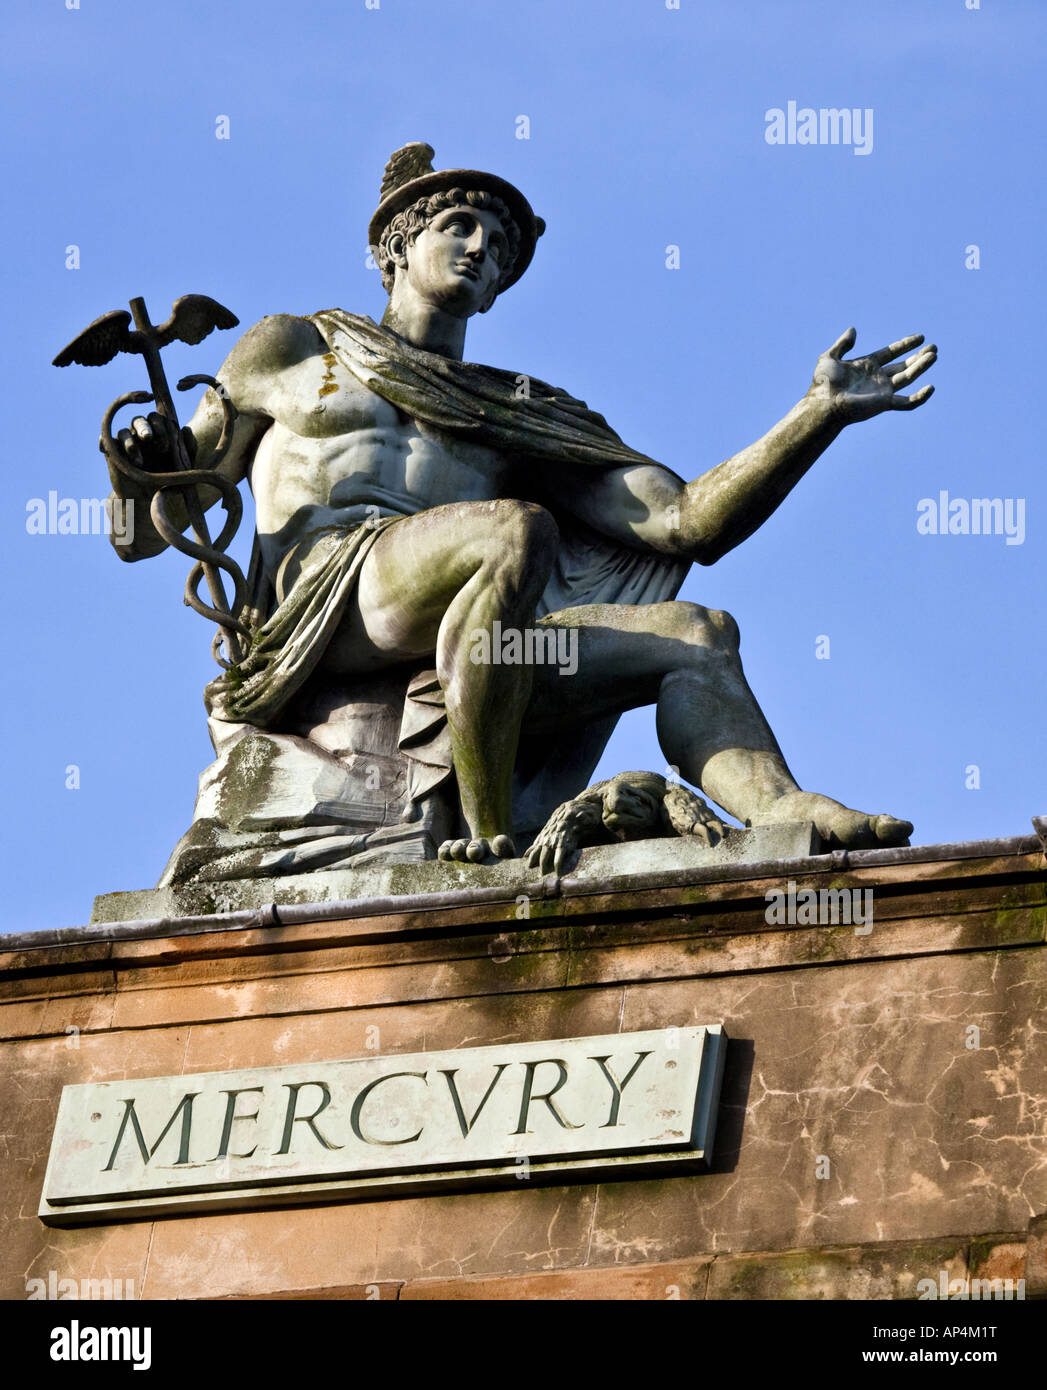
(649, 506)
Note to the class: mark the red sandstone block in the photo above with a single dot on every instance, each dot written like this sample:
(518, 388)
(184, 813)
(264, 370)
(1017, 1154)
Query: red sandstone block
(663, 1282)
(522, 1230)
(415, 1027)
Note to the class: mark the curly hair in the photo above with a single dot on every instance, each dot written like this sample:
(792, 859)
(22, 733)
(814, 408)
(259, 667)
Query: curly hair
(416, 218)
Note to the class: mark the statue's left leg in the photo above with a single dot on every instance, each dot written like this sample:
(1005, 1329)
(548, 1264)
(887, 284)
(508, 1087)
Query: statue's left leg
(684, 658)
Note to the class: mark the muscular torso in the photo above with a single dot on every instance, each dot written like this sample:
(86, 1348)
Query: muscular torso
(321, 449)
(337, 453)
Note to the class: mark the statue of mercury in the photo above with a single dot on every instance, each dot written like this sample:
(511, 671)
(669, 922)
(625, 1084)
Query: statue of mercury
(408, 501)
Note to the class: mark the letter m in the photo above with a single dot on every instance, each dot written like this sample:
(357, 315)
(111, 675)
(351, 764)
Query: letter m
(833, 124)
(988, 1288)
(94, 518)
(184, 1107)
(986, 516)
(114, 1343)
(834, 900)
(96, 1288)
(541, 646)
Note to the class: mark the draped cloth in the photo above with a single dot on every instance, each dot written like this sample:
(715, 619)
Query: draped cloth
(284, 651)
(520, 417)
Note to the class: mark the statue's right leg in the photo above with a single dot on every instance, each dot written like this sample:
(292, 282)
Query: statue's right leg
(430, 588)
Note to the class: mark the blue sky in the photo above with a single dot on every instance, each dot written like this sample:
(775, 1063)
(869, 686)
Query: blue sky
(646, 130)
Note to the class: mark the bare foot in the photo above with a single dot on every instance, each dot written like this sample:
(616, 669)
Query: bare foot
(478, 851)
(839, 827)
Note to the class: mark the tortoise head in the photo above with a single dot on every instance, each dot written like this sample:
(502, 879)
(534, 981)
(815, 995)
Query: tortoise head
(632, 805)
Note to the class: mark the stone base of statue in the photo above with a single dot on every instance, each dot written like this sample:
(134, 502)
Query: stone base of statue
(350, 802)
(352, 778)
(396, 867)
(880, 1124)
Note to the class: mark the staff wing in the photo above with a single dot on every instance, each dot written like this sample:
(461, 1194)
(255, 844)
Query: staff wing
(193, 317)
(99, 342)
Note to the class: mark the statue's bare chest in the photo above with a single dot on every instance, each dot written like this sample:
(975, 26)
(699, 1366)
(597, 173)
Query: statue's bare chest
(321, 399)
(337, 444)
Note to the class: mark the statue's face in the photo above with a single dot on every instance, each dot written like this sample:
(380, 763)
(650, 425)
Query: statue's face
(456, 262)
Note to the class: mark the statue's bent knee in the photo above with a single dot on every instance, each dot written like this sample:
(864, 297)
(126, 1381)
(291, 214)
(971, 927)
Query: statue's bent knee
(521, 533)
(705, 627)
(726, 626)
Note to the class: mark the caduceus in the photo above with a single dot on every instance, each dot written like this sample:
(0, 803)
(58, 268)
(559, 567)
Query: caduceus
(193, 317)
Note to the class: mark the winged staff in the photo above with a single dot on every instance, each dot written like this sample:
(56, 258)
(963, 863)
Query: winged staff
(193, 317)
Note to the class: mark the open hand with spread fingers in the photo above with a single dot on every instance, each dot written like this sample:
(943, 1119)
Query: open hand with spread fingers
(861, 387)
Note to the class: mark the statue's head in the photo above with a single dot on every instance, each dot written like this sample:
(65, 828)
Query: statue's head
(632, 805)
(459, 237)
(458, 246)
